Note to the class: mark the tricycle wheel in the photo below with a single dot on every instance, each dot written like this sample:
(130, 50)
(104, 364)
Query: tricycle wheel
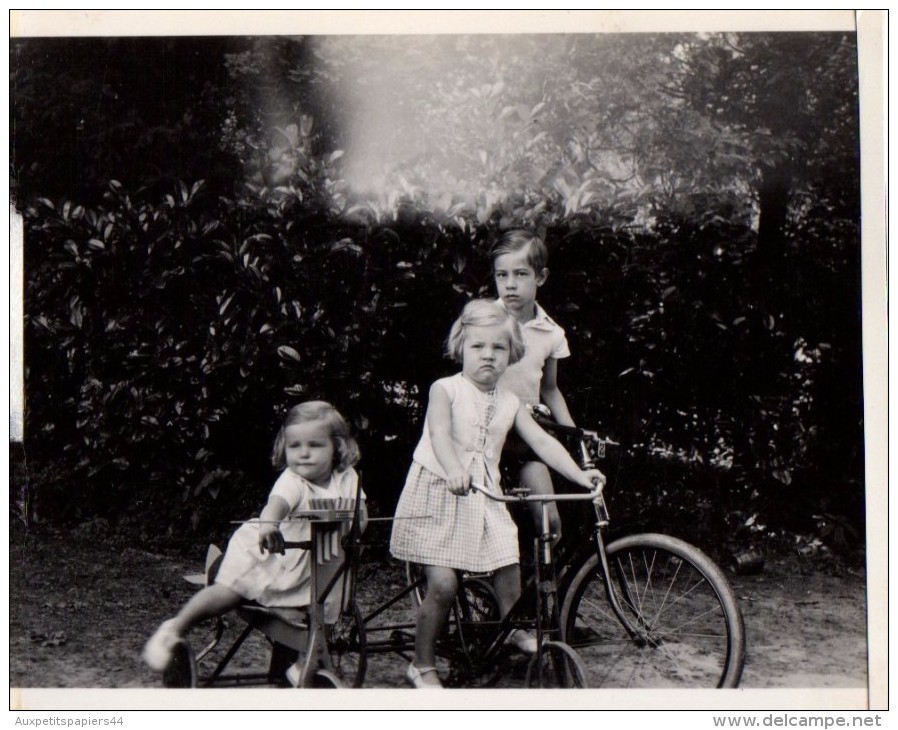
(347, 646)
(181, 669)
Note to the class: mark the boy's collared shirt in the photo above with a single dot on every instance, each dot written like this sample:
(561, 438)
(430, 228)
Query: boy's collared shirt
(543, 338)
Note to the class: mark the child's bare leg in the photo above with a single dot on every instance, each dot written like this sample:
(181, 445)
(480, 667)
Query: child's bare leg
(442, 584)
(213, 600)
(507, 584)
(535, 476)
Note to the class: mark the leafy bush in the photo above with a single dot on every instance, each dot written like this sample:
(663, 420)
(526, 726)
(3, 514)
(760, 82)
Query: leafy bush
(166, 337)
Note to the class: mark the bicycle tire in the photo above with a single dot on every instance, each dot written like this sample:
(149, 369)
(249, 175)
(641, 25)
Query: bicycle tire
(348, 646)
(414, 572)
(557, 666)
(480, 600)
(473, 620)
(691, 632)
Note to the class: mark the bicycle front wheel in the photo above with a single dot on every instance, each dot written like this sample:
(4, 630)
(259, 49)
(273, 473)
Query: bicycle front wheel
(556, 666)
(685, 627)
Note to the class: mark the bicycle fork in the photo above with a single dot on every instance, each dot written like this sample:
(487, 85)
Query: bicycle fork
(641, 632)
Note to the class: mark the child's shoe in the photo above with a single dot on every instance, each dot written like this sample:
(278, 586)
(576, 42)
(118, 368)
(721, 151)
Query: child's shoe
(157, 652)
(294, 675)
(523, 641)
(423, 677)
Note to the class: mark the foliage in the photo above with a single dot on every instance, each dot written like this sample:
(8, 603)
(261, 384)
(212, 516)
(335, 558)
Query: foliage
(145, 111)
(172, 318)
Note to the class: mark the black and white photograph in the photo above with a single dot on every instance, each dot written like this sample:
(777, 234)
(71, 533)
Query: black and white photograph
(514, 350)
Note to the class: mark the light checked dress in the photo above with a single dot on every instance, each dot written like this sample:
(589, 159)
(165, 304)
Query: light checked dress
(470, 532)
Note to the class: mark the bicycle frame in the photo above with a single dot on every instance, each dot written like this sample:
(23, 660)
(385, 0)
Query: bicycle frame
(585, 438)
(544, 573)
(477, 643)
(478, 647)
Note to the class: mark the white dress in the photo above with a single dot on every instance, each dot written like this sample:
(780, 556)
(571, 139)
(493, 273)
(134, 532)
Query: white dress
(271, 579)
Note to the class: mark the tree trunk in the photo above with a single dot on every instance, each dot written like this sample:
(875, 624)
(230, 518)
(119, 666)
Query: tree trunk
(776, 184)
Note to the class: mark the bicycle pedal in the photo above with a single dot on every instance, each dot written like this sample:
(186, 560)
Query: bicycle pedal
(517, 667)
(400, 638)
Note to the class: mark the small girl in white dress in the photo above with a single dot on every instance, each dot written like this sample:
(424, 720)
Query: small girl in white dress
(467, 420)
(317, 453)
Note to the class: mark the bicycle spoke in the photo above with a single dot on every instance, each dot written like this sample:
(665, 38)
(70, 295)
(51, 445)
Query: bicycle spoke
(656, 624)
(635, 584)
(669, 588)
(649, 569)
(600, 608)
(697, 635)
(676, 629)
(686, 593)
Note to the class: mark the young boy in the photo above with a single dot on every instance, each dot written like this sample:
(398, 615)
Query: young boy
(519, 268)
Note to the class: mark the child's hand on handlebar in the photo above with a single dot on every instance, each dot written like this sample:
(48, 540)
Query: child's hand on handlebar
(459, 483)
(271, 539)
(592, 478)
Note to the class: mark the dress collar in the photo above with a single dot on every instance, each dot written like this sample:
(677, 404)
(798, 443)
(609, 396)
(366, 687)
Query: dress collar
(484, 393)
(540, 321)
(335, 476)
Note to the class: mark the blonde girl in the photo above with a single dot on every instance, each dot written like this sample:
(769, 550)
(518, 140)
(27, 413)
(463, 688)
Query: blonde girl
(316, 453)
(468, 417)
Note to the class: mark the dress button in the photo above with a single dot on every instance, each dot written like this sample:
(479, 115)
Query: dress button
(469, 448)
(489, 454)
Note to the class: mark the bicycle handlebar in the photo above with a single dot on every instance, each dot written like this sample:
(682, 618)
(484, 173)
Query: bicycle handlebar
(589, 496)
(549, 425)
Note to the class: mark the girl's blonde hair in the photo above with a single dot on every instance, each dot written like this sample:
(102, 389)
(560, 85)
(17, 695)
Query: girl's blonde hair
(484, 313)
(346, 450)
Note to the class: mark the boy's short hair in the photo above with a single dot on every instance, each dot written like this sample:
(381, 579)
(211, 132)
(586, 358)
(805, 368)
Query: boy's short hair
(518, 240)
(484, 313)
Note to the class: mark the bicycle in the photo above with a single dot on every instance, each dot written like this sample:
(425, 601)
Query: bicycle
(475, 639)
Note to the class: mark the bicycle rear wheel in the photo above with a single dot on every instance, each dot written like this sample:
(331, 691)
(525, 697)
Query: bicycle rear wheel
(687, 627)
(484, 606)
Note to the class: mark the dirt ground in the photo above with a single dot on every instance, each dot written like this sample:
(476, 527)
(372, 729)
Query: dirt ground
(80, 612)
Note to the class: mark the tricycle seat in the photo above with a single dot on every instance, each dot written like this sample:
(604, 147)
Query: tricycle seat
(287, 626)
